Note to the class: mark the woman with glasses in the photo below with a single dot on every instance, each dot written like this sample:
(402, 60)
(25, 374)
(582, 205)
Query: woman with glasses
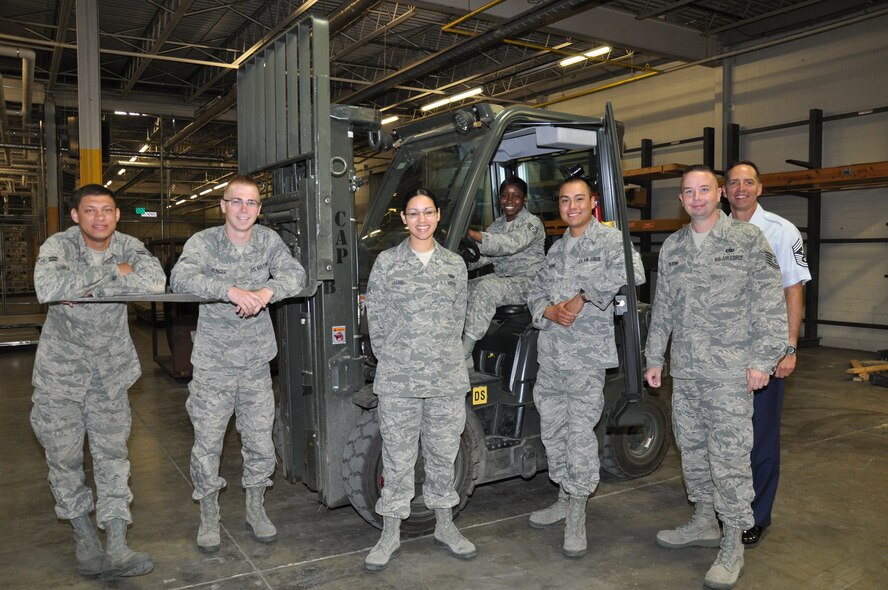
(416, 307)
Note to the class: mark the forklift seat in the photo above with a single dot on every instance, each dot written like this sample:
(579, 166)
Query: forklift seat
(508, 311)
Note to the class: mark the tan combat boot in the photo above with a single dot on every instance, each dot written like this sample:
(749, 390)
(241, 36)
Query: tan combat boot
(121, 561)
(448, 536)
(208, 539)
(702, 530)
(551, 516)
(728, 566)
(575, 527)
(87, 547)
(257, 520)
(388, 547)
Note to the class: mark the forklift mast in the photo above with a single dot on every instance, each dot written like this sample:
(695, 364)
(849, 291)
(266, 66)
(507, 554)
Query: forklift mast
(290, 135)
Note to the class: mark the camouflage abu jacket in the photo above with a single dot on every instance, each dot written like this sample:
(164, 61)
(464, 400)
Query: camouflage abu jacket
(515, 249)
(416, 314)
(723, 303)
(78, 339)
(595, 265)
(208, 267)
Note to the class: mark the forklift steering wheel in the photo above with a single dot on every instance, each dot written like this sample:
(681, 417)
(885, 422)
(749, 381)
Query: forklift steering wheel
(468, 249)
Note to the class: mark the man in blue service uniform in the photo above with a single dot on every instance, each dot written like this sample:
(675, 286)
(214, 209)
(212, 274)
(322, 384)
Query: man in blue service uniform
(743, 187)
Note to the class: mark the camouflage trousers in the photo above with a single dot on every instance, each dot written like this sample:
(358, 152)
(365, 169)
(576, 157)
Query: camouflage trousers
(487, 293)
(60, 425)
(439, 422)
(570, 405)
(216, 394)
(712, 421)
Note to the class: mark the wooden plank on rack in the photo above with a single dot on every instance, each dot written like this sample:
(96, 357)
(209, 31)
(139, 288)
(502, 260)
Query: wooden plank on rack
(838, 177)
(661, 172)
(638, 226)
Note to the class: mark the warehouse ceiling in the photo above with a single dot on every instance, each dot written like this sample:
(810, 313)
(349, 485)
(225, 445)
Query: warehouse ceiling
(168, 67)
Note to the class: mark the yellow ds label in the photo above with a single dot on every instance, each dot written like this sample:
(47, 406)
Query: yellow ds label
(479, 395)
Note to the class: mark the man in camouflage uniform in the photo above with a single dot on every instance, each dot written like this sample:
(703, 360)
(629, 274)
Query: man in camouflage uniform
(515, 244)
(743, 187)
(243, 267)
(416, 302)
(85, 363)
(571, 301)
(719, 296)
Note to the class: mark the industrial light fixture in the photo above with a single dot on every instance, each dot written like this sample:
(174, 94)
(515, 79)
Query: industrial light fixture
(143, 149)
(205, 191)
(121, 171)
(133, 159)
(598, 51)
(454, 98)
(194, 196)
(107, 184)
(218, 186)
(388, 120)
(180, 201)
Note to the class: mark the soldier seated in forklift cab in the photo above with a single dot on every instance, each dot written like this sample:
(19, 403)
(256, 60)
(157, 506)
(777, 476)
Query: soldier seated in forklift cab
(514, 245)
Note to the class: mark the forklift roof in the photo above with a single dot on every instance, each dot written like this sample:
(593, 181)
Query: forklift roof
(547, 139)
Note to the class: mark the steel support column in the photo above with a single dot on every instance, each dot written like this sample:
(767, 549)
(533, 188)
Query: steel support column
(89, 92)
(52, 168)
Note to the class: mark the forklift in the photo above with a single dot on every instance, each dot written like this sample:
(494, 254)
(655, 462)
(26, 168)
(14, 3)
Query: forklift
(327, 432)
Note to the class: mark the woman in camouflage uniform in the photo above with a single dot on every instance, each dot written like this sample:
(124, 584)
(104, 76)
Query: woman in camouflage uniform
(416, 307)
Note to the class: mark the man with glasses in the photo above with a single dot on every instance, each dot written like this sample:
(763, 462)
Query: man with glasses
(241, 267)
(515, 244)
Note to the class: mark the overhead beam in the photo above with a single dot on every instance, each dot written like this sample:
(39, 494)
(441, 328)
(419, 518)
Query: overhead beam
(166, 19)
(606, 25)
(64, 15)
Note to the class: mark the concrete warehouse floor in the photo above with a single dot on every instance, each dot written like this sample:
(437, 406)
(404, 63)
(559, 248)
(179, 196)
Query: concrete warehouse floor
(830, 526)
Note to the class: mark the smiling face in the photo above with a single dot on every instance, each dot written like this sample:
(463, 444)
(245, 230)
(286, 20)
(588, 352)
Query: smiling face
(742, 188)
(97, 216)
(699, 196)
(511, 200)
(240, 215)
(575, 204)
(421, 218)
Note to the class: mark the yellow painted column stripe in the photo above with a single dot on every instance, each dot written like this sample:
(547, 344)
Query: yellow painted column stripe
(52, 220)
(90, 166)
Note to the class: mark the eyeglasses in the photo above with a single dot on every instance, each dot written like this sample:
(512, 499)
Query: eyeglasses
(414, 214)
(237, 202)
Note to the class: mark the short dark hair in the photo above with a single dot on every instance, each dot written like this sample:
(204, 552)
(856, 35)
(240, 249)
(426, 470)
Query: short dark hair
(577, 178)
(420, 192)
(750, 163)
(91, 190)
(242, 179)
(699, 168)
(516, 182)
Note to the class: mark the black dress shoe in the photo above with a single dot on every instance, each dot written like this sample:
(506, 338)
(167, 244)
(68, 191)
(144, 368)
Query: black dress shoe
(754, 536)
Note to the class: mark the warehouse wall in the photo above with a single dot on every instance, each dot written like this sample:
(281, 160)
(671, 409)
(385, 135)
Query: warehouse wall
(838, 72)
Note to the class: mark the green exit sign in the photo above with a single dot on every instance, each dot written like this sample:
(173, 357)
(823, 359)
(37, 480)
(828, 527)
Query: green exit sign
(140, 210)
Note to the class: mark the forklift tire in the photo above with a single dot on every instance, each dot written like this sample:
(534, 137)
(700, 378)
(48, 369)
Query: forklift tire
(636, 451)
(362, 475)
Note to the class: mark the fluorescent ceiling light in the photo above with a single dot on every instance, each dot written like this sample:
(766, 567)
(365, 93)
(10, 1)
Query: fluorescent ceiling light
(108, 183)
(133, 159)
(218, 186)
(598, 51)
(388, 120)
(120, 113)
(467, 94)
(435, 105)
(203, 192)
(143, 149)
(180, 201)
(455, 98)
(193, 197)
(121, 171)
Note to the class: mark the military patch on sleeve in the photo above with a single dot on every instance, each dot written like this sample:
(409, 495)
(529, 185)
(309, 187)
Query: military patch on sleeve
(772, 260)
(532, 227)
(798, 252)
